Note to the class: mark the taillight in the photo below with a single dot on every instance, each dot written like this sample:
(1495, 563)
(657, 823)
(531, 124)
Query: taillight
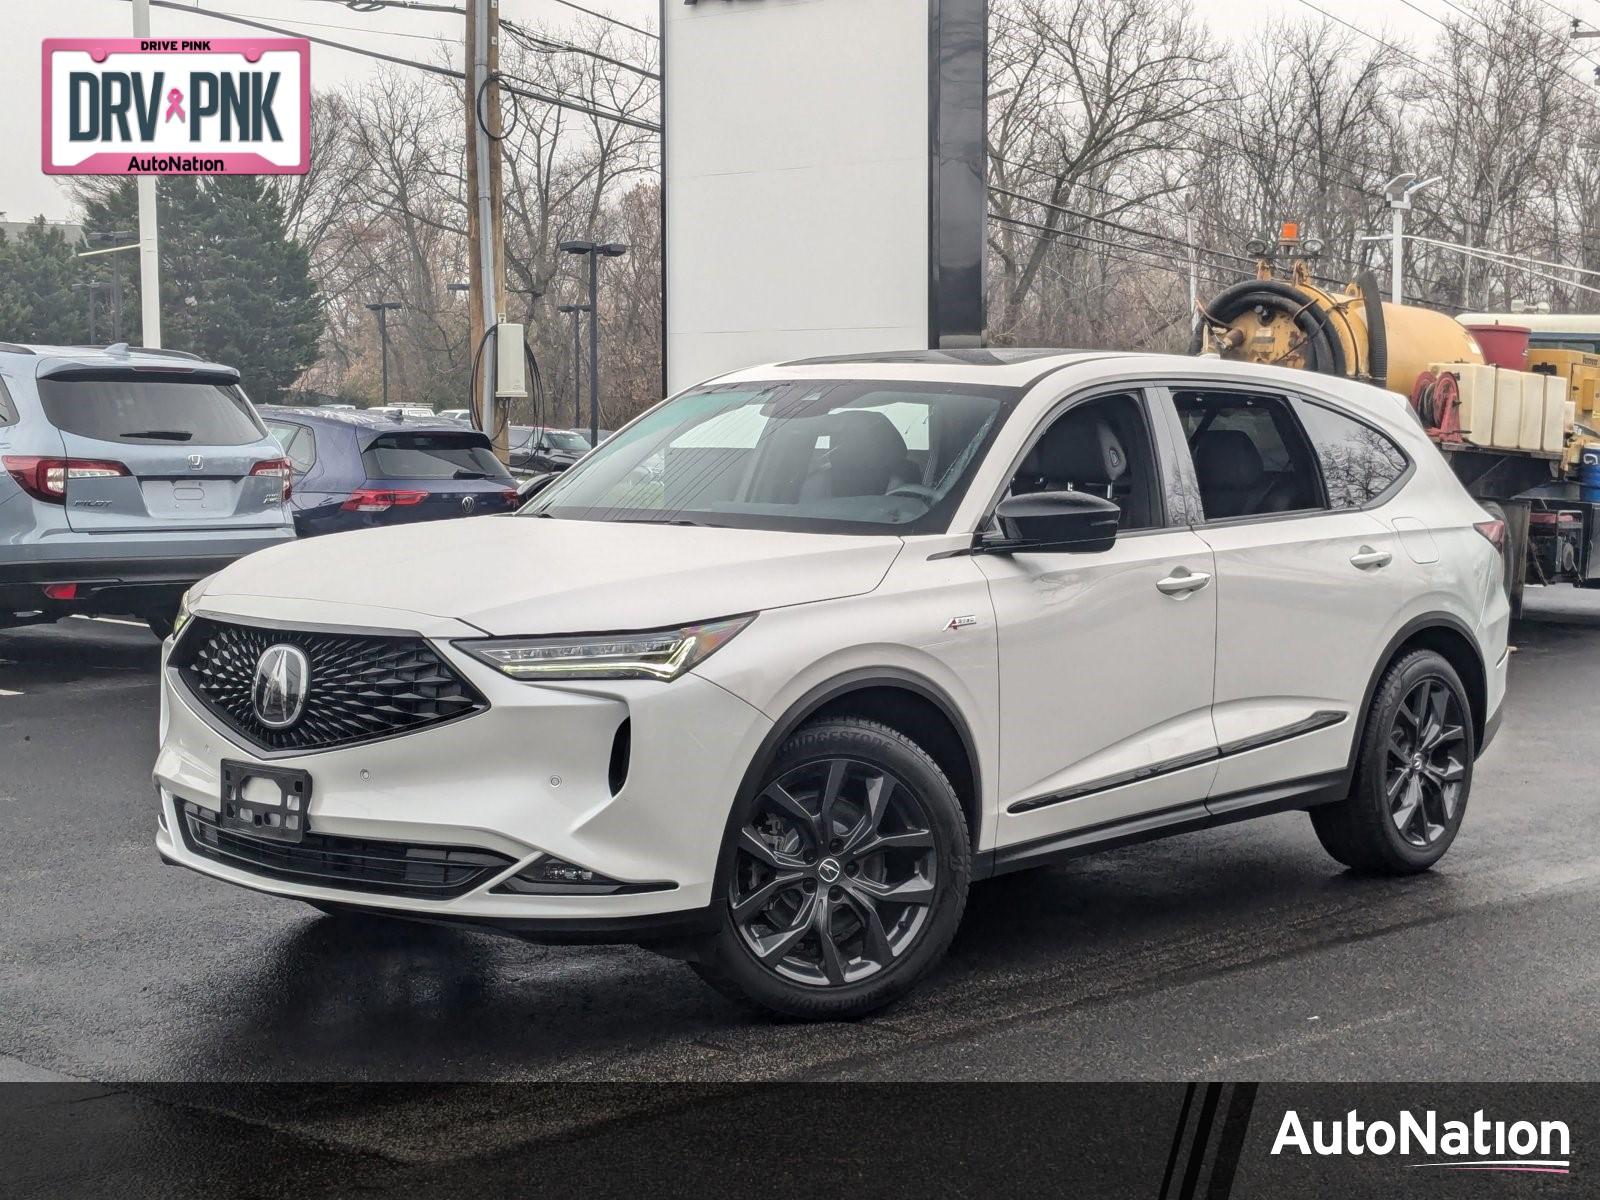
(513, 497)
(381, 499)
(47, 478)
(279, 468)
(1495, 531)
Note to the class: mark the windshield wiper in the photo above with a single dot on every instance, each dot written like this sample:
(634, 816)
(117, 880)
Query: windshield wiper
(160, 435)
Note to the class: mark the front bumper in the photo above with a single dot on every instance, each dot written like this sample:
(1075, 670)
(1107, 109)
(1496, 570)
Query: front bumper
(529, 776)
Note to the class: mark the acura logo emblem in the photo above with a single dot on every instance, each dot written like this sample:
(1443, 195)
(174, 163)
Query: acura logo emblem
(279, 692)
(828, 870)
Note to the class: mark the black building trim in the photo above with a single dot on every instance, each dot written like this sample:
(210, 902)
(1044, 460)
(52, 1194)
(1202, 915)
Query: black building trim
(958, 60)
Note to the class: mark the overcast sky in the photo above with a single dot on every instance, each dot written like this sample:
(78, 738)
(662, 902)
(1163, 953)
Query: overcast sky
(25, 191)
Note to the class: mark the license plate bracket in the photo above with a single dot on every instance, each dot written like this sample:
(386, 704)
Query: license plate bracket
(274, 809)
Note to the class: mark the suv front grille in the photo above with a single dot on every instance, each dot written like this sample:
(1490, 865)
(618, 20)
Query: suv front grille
(361, 686)
(354, 864)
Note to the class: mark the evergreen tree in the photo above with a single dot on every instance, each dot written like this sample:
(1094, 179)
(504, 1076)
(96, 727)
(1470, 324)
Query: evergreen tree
(37, 303)
(235, 288)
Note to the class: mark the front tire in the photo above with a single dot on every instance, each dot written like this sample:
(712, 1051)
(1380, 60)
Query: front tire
(843, 879)
(1413, 775)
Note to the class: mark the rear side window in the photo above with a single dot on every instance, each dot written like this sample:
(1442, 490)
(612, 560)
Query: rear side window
(1251, 458)
(298, 442)
(432, 456)
(135, 411)
(8, 408)
(1359, 464)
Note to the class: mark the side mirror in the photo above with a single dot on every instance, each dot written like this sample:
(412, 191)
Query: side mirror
(1074, 522)
(530, 488)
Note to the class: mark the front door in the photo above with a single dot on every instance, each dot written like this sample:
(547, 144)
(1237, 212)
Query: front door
(1106, 658)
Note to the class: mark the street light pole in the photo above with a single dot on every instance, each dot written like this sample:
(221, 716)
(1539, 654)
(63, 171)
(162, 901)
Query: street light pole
(1399, 191)
(577, 360)
(594, 250)
(383, 308)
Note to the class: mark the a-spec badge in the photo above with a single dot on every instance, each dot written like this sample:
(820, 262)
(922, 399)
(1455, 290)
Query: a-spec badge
(961, 622)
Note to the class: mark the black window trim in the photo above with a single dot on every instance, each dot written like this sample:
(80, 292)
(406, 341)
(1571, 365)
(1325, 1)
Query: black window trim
(1167, 387)
(1156, 431)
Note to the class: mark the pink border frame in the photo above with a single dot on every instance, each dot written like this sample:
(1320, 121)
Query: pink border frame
(235, 163)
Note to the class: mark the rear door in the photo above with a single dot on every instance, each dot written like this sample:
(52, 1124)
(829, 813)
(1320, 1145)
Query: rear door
(434, 474)
(1308, 581)
(161, 450)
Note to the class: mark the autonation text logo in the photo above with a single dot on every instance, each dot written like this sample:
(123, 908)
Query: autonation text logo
(1478, 1144)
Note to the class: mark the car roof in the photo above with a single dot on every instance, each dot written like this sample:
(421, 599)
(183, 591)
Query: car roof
(119, 355)
(364, 420)
(1006, 366)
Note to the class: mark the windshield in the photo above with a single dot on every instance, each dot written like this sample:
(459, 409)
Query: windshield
(561, 439)
(837, 456)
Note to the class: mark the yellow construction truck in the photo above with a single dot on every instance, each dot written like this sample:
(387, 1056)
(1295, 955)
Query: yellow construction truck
(1509, 398)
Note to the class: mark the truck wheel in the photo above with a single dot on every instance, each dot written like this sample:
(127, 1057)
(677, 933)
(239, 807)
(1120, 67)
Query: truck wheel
(1413, 773)
(844, 879)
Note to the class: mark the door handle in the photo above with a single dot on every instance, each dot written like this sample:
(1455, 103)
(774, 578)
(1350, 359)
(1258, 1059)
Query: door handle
(1368, 557)
(1181, 582)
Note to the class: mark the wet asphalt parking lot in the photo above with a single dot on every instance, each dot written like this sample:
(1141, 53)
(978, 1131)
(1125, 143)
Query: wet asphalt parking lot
(1241, 952)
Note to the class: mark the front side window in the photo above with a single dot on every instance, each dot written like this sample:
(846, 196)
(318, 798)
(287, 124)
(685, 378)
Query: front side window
(1359, 464)
(837, 456)
(432, 456)
(1101, 446)
(113, 408)
(1250, 456)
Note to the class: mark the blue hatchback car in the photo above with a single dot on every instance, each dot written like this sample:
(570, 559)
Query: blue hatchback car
(354, 470)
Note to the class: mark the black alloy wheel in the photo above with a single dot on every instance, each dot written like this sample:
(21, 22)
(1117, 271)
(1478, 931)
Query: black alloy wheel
(1426, 762)
(843, 877)
(835, 872)
(1413, 772)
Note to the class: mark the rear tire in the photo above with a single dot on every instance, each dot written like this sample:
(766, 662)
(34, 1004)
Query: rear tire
(843, 880)
(1413, 773)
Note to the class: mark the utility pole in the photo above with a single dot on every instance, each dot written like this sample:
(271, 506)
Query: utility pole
(1399, 191)
(149, 247)
(1194, 263)
(484, 205)
(577, 310)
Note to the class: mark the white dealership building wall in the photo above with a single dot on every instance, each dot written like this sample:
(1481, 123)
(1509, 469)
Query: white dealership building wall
(803, 147)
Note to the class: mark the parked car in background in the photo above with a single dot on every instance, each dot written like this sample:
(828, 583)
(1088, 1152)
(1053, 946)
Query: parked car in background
(457, 414)
(129, 474)
(546, 449)
(354, 470)
(416, 412)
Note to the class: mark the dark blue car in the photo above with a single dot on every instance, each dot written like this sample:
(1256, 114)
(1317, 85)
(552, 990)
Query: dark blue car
(354, 470)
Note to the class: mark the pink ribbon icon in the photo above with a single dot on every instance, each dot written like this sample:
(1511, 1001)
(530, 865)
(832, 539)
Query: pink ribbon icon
(175, 105)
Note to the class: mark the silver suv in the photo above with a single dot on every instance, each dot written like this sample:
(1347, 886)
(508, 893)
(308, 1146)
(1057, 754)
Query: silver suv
(128, 475)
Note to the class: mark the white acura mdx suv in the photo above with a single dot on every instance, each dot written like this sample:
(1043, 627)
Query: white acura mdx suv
(770, 677)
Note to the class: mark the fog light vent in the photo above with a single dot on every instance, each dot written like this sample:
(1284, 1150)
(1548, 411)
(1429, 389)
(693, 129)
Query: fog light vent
(551, 876)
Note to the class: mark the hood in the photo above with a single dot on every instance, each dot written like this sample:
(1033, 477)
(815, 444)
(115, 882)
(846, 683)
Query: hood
(532, 575)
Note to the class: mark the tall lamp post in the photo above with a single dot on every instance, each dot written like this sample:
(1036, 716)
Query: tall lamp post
(1398, 191)
(594, 250)
(383, 308)
(577, 359)
(93, 287)
(113, 235)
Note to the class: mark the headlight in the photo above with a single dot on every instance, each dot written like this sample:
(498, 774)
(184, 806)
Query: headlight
(656, 654)
(184, 614)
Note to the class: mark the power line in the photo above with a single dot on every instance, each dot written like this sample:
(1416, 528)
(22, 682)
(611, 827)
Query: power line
(524, 91)
(457, 10)
(535, 41)
(1161, 237)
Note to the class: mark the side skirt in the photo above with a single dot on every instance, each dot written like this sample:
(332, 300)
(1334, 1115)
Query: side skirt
(1306, 792)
